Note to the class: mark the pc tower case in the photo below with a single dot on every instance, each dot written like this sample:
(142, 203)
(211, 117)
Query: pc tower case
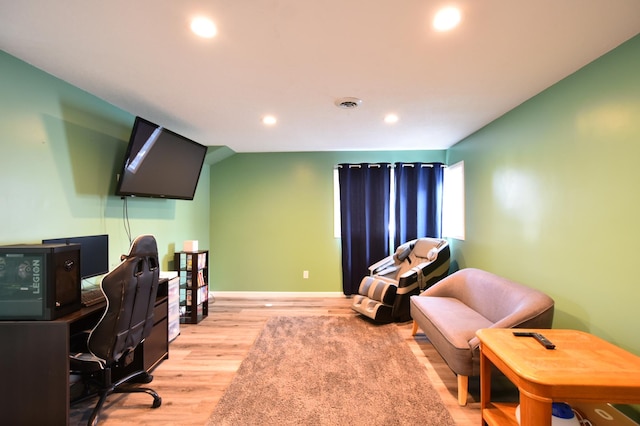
(39, 281)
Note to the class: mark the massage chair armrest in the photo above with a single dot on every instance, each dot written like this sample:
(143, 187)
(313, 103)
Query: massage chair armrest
(411, 276)
(389, 272)
(381, 266)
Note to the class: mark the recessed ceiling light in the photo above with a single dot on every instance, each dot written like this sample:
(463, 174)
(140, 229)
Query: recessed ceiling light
(204, 27)
(391, 118)
(269, 120)
(446, 19)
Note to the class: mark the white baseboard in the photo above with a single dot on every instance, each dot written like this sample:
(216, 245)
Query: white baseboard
(274, 294)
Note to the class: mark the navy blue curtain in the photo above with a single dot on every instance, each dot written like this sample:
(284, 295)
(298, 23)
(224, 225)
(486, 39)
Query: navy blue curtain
(364, 215)
(418, 205)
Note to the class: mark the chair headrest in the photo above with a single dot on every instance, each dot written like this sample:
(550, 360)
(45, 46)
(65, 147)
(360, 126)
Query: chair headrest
(428, 248)
(143, 245)
(403, 251)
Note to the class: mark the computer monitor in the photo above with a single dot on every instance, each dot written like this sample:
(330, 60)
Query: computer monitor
(94, 253)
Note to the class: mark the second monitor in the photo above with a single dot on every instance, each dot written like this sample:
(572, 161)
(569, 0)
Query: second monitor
(94, 253)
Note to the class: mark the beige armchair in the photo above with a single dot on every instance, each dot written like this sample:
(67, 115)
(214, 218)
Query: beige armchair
(450, 313)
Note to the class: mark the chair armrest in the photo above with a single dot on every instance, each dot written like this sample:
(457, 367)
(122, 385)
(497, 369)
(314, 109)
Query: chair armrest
(381, 265)
(537, 316)
(414, 271)
(387, 271)
(413, 275)
(516, 319)
(451, 286)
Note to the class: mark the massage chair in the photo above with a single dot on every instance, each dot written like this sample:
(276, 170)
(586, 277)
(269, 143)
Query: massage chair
(416, 265)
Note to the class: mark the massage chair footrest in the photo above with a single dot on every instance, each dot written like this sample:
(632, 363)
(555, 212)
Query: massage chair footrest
(373, 309)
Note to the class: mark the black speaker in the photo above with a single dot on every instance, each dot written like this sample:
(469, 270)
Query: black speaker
(39, 281)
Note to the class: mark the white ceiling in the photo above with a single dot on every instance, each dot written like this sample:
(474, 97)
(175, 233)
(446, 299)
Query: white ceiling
(294, 58)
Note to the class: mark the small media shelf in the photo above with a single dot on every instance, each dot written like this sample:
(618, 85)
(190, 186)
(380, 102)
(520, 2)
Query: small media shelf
(193, 273)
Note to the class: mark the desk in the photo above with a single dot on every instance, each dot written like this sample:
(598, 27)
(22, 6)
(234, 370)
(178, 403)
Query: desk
(583, 367)
(34, 362)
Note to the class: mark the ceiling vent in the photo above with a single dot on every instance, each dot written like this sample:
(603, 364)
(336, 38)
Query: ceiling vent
(348, 102)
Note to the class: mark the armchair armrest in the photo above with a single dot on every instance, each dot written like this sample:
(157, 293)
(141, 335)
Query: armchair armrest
(518, 318)
(455, 287)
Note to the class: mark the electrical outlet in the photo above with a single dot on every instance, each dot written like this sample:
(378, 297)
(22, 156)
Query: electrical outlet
(305, 275)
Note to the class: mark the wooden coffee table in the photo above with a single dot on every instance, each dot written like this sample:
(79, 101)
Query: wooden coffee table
(582, 367)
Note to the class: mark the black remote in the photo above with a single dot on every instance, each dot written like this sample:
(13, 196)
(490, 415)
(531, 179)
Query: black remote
(539, 337)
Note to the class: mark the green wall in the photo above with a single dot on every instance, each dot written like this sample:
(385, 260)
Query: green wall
(552, 196)
(272, 218)
(551, 193)
(60, 149)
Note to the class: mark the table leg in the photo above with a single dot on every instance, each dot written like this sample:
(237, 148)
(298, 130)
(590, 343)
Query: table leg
(485, 383)
(534, 411)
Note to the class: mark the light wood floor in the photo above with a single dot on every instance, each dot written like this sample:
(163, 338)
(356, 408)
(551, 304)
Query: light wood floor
(203, 360)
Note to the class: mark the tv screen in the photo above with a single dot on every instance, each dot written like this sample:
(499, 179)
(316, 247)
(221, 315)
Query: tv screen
(160, 163)
(94, 253)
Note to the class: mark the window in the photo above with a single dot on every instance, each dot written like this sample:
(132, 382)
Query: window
(453, 217)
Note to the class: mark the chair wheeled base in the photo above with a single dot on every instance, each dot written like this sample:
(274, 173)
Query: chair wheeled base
(105, 388)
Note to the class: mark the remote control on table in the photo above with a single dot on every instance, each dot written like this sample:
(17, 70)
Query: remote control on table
(539, 337)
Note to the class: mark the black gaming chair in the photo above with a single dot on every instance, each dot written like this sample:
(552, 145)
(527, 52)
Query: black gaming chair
(130, 290)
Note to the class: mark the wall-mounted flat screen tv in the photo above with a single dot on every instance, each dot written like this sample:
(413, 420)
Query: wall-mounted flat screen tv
(160, 163)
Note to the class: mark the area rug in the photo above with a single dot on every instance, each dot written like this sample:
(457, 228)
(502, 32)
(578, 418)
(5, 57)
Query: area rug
(324, 370)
